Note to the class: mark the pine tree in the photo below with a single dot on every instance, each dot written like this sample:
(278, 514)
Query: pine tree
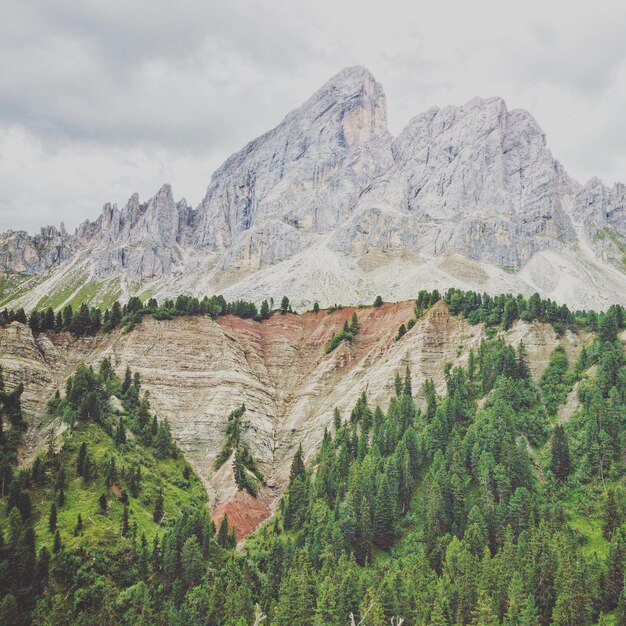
(124, 530)
(41, 570)
(81, 461)
(430, 396)
(58, 321)
(127, 381)
(79, 525)
(523, 369)
(191, 561)
(384, 512)
(484, 614)
(614, 572)
(407, 389)
(620, 611)
(48, 319)
(111, 472)
(34, 322)
(297, 503)
(102, 502)
(610, 517)
(560, 463)
(223, 538)
(316, 307)
(354, 323)
(120, 433)
(297, 465)
(57, 545)
(378, 301)
(157, 514)
(242, 480)
(67, 317)
(284, 305)
(397, 384)
(328, 610)
(52, 518)
(163, 442)
(336, 419)
(471, 365)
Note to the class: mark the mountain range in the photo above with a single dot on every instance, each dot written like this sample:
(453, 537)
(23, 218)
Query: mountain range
(329, 206)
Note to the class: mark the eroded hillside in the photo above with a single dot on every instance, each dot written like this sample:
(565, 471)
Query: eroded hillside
(198, 369)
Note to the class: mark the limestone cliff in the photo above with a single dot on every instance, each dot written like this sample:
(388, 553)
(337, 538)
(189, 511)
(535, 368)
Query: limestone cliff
(328, 206)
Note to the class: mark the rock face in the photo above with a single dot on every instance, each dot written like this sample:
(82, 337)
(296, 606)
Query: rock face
(21, 253)
(307, 172)
(197, 370)
(329, 206)
(475, 179)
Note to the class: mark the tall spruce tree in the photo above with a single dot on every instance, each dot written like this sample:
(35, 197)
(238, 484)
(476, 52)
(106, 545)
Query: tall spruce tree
(560, 463)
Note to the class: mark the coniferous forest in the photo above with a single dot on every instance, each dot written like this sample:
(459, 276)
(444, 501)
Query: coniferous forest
(479, 507)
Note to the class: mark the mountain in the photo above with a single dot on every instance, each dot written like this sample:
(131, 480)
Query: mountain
(329, 206)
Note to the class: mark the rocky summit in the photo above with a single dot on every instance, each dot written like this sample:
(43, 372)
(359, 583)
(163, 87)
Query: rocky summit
(329, 206)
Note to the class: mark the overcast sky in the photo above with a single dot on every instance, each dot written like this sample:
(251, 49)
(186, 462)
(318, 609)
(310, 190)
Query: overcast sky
(99, 99)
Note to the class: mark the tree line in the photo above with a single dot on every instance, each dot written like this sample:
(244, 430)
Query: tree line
(88, 321)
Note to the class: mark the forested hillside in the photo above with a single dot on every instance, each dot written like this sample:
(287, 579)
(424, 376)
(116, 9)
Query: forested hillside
(487, 505)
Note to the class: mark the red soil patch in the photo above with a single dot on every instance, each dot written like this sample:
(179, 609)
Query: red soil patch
(244, 512)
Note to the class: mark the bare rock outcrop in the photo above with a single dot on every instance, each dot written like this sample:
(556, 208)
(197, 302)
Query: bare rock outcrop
(323, 206)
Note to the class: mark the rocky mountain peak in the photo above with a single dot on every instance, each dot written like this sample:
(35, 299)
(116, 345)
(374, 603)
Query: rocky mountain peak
(308, 171)
(321, 206)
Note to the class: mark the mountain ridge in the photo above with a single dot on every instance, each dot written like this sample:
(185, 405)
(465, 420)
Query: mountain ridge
(327, 204)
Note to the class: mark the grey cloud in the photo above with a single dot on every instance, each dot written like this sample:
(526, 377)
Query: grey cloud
(100, 99)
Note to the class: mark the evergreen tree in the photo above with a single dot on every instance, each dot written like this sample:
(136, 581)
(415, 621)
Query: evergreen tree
(125, 526)
(127, 381)
(82, 460)
(523, 369)
(354, 323)
(223, 537)
(79, 525)
(297, 465)
(192, 561)
(52, 518)
(164, 445)
(407, 389)
(384, 513)
(120, 433)
(397, 384)
(610, 517)
(560, 463)
(157, 514)
(57, 546)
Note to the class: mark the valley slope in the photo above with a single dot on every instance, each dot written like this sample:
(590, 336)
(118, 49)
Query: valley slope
(197, 370)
